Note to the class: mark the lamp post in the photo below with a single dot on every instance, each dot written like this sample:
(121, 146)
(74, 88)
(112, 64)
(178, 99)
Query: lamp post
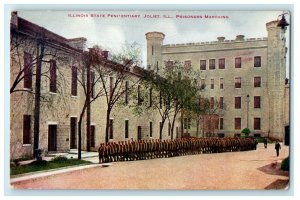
(247, 100)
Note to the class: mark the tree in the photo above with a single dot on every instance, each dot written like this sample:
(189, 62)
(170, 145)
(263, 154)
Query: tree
(169, 93)
(246, 131)
(208, 113)
(31, 53)
(114, 75)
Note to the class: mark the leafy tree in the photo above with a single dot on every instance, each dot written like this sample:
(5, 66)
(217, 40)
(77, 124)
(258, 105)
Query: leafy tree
(114, 75)
(246, 131)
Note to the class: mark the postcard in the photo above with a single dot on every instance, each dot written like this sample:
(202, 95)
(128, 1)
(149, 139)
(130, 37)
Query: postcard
(150, 99)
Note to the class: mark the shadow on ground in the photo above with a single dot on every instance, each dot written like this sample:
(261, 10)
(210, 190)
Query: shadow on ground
(273, 169)
(278, 184)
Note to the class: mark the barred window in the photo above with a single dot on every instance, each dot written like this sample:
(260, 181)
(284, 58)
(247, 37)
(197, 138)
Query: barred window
(212, 85)
(187, 64)
(238, 62)
(212, 102)
(221, 83)
(202, 64)
(212, 63)
(256, 101)
(221, 103)
(237, 102)
(257, 123)
(238, 82)
(257, 61)
(222, 63)
(257, 81)
(237, 123)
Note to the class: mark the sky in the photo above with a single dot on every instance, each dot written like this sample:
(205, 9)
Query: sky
(111, 32)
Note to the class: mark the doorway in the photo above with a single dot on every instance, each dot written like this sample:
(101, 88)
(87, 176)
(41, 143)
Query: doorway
(52, 138)
(73, 140)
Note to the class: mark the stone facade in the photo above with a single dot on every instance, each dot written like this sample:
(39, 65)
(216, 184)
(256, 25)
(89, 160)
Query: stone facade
(270, 116)
(58, 109)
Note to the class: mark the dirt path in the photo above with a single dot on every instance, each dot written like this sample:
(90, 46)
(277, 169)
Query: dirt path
(236, 170)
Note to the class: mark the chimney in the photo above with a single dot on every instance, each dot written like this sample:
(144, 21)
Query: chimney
(240, 38)
(78, 43)
(14, 19)
(105, 54)
(221, 39)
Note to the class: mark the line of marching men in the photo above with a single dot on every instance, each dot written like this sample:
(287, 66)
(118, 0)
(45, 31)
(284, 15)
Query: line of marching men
(155, 148)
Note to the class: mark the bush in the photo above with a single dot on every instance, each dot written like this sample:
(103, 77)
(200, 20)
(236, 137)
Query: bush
(246, 131)
(285, 165)
(60, 159)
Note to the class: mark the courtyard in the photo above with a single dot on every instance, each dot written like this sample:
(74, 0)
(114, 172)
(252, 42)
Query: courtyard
(258, 169)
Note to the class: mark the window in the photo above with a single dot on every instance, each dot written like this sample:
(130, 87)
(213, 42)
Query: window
(126, 128)
(150, 129)
(187, 64)
(221, 123)
(202, 82)
(169, 65)
(111, 86)
(152, 49)
(212, 102)
(212, 63)
(52, 76)
(237, 123)
(222, 63)
(169, 129)
(221, 83)
(27, 70)
(238, 62)
(221, 103)
(256, 101)
(237, 82)
(74, 81)
(202, 64)
(126, 92)
(111, 129)
(257, 81)
(92, 84)
(139, 95)
(187, 123)
(26, 129)
(237, 102)
(257, 61)
(212, 84)
(160, 100)
(150, 97)
(257, 123)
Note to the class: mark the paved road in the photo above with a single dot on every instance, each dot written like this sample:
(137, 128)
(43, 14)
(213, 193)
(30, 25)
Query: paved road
(235, 170)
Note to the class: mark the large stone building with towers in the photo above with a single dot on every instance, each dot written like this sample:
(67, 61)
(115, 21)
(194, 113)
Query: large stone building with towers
(246, 75)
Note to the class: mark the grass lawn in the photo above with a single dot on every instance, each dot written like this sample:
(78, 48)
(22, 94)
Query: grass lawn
(53, 164)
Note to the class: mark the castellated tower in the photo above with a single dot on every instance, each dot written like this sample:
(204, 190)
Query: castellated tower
(276, 77)
(154, 50)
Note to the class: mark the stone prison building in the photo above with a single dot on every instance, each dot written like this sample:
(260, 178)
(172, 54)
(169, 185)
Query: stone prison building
(247, 75)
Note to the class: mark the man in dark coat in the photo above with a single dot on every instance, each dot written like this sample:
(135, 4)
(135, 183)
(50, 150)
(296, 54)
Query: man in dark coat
(277, 147)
